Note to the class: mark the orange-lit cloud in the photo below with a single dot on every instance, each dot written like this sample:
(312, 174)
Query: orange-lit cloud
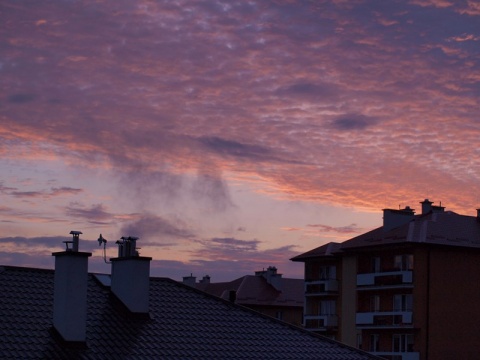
(148, 115)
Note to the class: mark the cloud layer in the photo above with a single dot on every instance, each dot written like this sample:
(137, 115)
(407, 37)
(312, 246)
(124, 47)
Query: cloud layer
(146, 117)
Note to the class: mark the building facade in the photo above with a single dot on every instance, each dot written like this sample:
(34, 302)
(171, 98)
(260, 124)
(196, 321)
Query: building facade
(408, 290)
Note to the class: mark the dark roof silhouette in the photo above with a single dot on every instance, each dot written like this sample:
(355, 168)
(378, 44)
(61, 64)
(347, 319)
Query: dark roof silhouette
(183, 323)
(445, 228)
(255, 290)
(328, 249)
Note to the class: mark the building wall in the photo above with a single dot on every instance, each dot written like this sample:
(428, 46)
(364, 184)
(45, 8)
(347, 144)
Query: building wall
(420, 299)
(348, 285)
(454, 303)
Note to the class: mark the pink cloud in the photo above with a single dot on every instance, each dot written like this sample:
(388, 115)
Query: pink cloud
(348, 103)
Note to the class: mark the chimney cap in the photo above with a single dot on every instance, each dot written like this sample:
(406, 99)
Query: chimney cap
(74, 241)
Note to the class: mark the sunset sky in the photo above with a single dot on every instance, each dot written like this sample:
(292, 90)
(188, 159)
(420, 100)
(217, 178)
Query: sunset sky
(230, 135)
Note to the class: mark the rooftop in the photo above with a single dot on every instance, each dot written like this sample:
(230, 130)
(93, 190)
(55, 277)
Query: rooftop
(254, 290)
(182, 323)
(444, 228)
(434, 227)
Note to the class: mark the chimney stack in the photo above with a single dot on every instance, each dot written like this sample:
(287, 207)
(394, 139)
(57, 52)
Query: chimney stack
(232, 296)
(189, 280)
(131, 276)
(205, 280)
(70, 291)
(395, 218)
(427, 207)
(272, 277)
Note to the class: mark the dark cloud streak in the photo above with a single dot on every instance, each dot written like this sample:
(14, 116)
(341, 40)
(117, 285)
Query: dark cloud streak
(157, 230)
(349, 229)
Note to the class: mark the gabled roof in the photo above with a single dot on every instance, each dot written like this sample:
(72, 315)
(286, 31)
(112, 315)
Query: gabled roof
(182, 323)
(442, 228)
(326, 250)
(435, 228)
(255, 290)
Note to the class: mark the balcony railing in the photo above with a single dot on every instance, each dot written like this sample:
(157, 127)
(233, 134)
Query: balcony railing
(320, 322)
(384, 318)
(397, 355)
(385, 278)
(321, 286)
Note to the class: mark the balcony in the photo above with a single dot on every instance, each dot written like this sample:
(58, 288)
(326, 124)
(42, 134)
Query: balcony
(319, 287)
(384, 279)
(320, 322)
(385, 319)
(398, 355)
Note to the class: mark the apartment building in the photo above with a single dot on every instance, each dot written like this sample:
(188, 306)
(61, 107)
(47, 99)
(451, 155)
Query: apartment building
(408, 290)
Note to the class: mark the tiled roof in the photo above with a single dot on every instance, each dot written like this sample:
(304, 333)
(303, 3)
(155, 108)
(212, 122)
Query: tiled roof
(255, 290)
(183, 323)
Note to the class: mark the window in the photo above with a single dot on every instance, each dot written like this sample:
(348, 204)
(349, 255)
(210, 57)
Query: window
(375, 303)
(328, 307)
(376, 264)
(402, 343)
(374, 342)
(403, 262)
(403, 302)
(328, 272)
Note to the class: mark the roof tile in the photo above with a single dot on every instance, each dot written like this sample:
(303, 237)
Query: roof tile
(183, 323)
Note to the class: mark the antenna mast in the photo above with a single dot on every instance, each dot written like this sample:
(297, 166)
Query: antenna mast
(102, 240)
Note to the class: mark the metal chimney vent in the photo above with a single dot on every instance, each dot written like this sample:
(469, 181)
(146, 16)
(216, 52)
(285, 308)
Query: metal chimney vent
(74, 241)
(127, 246)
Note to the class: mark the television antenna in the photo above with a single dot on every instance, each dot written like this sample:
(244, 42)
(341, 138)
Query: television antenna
(102, 240)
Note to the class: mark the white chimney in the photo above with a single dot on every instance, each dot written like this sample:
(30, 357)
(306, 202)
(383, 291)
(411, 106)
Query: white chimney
(70, 291)
(131, 276)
